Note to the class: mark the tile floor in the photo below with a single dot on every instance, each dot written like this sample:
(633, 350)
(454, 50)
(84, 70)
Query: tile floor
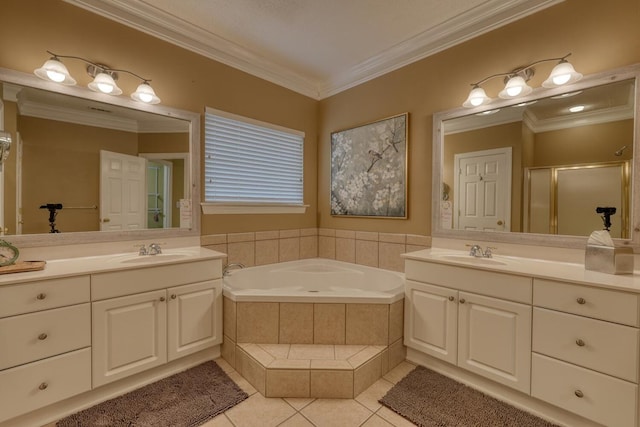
(364, 410)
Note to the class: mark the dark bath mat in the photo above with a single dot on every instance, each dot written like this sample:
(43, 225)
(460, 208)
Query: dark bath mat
(429, 399)
(186, 399)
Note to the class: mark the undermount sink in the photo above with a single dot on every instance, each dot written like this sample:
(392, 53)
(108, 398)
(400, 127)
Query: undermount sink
(473, 260)
(146, 259)
(134, 258)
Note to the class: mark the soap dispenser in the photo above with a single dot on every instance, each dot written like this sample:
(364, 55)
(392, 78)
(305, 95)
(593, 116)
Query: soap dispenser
(602, 254)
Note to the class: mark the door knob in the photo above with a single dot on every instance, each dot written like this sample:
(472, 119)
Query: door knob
(106, 220)
(500, 222)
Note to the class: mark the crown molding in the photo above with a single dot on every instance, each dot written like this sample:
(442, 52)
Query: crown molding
(586, 118)
(482, 19)
(148, 19)
(164, 26)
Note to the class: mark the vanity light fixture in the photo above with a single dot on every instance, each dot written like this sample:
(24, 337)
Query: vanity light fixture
(104, 78)
(516, 81)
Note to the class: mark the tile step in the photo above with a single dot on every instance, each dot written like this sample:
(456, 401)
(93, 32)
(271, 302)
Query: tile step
(311, 370)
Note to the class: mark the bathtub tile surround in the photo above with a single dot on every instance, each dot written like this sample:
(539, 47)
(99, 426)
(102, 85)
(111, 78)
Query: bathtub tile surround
(382, 250)
(329, 323)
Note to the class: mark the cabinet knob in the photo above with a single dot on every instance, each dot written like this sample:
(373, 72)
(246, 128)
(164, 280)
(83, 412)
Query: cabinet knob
(462, 300)
(42, 337)
(579, 393)
(43, 386)
(162, 299)
(41, 296)
(580, 342)
(451, 298)
(174, 296)
(581, 301)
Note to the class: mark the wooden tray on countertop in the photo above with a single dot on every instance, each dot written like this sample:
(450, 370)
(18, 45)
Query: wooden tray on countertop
(22, 266)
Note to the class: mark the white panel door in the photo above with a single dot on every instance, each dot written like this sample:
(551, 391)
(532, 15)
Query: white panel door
(483, 190)
(129, 335)
(432, 320)
(194, 318)
(494, 339)
(123, 195)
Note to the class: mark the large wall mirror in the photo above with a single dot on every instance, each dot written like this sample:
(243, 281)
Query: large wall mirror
(535, 170)
(87, 167)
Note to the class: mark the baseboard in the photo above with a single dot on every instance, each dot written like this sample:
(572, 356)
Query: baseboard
(56, 411)
(513, 397)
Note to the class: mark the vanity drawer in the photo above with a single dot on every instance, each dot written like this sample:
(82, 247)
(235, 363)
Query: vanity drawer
(47, 333)
(128, 282)
(605, 347)
(42, 295)
(605, 304)
(38, 384)
(607, 400)
(489, 283)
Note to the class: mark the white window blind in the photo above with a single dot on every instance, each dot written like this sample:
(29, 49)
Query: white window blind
(251, 162)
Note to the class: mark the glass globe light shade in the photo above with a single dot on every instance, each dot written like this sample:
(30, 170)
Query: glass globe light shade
(145, 93)
(104, 83)
(55, 71)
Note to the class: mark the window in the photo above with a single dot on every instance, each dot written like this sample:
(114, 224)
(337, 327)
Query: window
(251, 166)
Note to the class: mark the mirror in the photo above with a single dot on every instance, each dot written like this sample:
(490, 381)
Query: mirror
(82, 159)
(534, 170)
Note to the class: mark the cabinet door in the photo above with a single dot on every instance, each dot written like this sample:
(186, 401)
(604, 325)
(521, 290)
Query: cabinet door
(431, 320)
(129, 335)
(195, 318)
(494, 339)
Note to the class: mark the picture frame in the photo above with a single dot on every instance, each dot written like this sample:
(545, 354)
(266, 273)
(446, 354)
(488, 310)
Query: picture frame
(369, 169)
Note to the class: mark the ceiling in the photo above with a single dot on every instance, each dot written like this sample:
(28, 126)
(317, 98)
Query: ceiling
(315, 47)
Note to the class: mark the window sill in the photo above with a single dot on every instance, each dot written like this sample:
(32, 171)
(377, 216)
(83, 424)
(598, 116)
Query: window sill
(251, 208)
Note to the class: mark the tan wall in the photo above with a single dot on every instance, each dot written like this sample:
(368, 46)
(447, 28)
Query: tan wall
(508, 135)
(584, 144)
(163, 142)
(182, 79)
(441, 82)
(61, 164)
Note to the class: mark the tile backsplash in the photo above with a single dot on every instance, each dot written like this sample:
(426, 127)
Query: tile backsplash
(373, 249)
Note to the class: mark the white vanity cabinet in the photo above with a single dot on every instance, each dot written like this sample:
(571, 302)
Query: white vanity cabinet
(135, 331)
(478, 320)
(45, 338)
(585, 344)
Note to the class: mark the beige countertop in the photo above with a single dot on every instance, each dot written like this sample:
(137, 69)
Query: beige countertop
(105, 263)
(543, 269)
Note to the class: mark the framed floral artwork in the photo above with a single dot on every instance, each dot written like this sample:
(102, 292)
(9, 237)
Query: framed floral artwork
(369, 169)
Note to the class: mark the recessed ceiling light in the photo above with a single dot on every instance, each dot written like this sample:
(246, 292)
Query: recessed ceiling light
(576, 108)
(566, 95)
(488, 112)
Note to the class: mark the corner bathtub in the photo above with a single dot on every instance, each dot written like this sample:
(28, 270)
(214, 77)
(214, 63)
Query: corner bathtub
(314, 280)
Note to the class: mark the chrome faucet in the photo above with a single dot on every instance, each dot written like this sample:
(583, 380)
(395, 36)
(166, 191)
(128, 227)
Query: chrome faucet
(227, 268)
(154, 249)
(143, 250)
(476, 251)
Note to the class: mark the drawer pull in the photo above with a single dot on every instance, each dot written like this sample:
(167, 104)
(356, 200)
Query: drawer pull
(451, 298)
(462, 300)
(580, 342)
(581, 301)
(174, 296)
(43, 386)
(579, 393)
(42, 337)
(162, 299)
(41, 296)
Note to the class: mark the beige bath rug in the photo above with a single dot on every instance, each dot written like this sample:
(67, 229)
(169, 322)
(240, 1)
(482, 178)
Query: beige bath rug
(186, 399)
(429, 399)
